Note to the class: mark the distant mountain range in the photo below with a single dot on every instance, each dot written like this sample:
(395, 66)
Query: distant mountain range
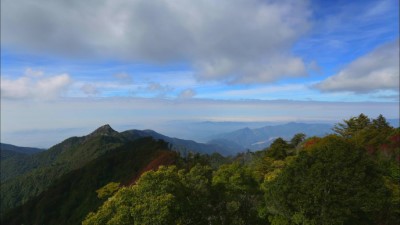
(260, 138)
(225, 143)
(23, 150)
(394, 122)
(8, 151)
(180, 145)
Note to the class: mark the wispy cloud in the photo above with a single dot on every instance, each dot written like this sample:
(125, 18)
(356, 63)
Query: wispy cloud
(263, 91)
(34, 85)
(378, 70)
(124, 78)
(155, 89)
(90, 89)
(342, 31)
(187, 93)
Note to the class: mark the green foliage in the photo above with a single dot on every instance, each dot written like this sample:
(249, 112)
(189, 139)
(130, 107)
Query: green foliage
(161, 187)
(229, 196)
(278, 149)
(351, 126)
(39, 171)
(165, 196)
(107, 190)
(107, 213)
(363, 131)
(237, 195)
(334, 183)
(69, 199)
(297, 139)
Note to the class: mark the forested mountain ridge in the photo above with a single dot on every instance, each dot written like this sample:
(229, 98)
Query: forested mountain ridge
(68, 199)
(27, 176)
(11, 154)
(181, 145)
(64, 152)
(18, 149)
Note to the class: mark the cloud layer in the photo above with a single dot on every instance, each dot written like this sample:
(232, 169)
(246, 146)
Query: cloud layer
(34, 85)
(187, 93)
(377, 70)
(239, 41)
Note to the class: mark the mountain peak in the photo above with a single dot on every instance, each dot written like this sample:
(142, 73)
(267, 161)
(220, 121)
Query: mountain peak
(246, 129)
(104, 130)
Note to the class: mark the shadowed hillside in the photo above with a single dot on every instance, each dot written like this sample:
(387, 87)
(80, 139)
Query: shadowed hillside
(73, 195)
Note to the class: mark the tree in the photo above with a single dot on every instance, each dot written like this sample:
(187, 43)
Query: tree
(333, 183)
(107, 190)
(371, 137)
(115, 211)
(278, 149)
(351, 126)
(297, 139)
(380, 122)
(166, 196)
(152, 200)
(196, 207)
(236, 196)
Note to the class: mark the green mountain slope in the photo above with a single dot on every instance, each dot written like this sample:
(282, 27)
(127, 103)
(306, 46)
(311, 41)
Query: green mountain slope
(71, 197)
(14, 159)
(28, 177)
(24, 177)
(18, 149)
(181, 145)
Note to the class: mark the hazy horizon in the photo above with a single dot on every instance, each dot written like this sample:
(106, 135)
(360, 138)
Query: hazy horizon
(70, 67)
(199, 131)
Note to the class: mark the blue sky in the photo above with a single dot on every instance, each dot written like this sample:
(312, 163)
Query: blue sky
(228, 60)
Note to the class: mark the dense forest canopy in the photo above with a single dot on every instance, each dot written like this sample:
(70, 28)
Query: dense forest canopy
(351, 177)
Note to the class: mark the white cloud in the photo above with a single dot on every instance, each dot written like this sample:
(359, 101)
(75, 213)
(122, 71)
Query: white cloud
(187, 93)
(313, 66)
(124, 78)
(29, 72)
(34, 85)
(377, 70)
(90, 89)
(159, 89)
(259, 92)
(239, 41)
(344, 31)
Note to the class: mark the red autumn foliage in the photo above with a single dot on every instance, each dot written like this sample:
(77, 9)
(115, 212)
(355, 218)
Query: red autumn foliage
(164, 158)
(310, 142)
(395, 138)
